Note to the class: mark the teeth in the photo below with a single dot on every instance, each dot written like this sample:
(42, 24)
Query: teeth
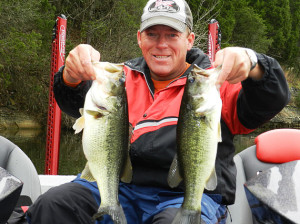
(161, 56)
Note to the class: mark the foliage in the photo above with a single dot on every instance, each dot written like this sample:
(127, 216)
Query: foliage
(246, 33)
(293, 45)
(24, 53)
(297, 100)
(203, 12)
(110, 26)
(17, 41)
(227, 20)
(282, 22)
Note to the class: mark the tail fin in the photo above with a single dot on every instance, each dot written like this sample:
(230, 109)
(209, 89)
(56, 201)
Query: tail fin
(185, 216)
(115, 212)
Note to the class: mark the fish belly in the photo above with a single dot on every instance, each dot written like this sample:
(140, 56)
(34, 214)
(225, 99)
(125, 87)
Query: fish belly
(104, 146)
(196, 155)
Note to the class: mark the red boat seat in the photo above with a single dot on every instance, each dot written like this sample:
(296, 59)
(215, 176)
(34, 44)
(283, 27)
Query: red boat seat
(272, 147)
(278, 146)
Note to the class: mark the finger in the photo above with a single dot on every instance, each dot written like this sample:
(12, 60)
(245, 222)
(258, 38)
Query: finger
(95, 55)
(239, 75)
(235, 79)
(71, 72)
(78, 64)
(84, 62)
(227, 66)
(218, 59)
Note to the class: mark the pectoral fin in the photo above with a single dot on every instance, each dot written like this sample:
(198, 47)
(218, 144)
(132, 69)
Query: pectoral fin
(79, 124)
(219, 133)
(126, 175)
(174, 177)
(96, 114)
(212, 182)
(86, 173)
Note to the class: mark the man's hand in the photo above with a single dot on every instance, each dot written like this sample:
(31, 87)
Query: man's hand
(236, 66)
(78, 65)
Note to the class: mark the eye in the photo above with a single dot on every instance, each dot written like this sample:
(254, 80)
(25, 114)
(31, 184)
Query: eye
(191, 79)
(122, 80)
(101, 108)
(151, 34)
(172, 36)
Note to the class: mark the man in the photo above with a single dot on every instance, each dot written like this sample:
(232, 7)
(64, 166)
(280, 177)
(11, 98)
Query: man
(253, 90)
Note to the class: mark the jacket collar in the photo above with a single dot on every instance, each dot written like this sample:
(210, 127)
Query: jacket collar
(139, 64)
(195, 55)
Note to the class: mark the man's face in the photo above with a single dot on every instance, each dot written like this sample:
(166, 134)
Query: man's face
(164, 50)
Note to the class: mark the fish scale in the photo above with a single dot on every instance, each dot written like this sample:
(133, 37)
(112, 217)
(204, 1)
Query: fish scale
(100, 155)
(194, 179)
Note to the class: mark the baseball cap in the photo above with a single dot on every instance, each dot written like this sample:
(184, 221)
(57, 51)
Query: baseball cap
(173, 13)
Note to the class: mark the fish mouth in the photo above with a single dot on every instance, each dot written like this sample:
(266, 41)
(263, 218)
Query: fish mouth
(204, 73)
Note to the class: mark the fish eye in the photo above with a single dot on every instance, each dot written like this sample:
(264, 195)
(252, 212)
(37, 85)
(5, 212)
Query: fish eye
(101, 108)
(122, 80)
(191, 79)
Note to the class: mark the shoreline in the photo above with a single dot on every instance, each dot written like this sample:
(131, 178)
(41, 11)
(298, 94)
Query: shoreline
(12, 120)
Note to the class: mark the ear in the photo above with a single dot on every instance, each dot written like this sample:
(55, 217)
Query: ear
(191, 39)
(139, 38)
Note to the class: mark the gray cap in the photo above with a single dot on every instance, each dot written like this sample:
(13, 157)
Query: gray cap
(173, 13)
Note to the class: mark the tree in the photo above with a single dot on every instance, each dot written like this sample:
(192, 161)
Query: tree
(277, 16)
(23, 52)
(203, 12)
(250, 30)
(227, 20)
(267, 26)
(294, 41)
(109, 25)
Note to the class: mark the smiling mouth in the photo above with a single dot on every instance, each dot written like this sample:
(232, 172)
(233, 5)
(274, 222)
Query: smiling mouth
(160, 56)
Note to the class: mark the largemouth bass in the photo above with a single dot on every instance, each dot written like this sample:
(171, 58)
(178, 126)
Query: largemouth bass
(105, 137)
(198, 134)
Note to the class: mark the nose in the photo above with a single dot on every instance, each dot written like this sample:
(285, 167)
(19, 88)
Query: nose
(162, 42)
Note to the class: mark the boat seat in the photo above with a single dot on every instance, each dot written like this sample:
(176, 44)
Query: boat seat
(17, 163)
(271, 148)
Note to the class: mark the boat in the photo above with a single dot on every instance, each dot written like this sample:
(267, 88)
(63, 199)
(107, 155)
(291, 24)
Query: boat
(273, 163)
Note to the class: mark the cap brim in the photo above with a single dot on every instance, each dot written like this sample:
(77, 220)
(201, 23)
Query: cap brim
(162, 20)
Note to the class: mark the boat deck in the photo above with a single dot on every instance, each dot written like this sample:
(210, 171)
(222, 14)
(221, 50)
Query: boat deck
(48, 181)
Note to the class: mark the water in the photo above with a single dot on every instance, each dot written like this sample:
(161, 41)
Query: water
(72, 160)
(33, 143)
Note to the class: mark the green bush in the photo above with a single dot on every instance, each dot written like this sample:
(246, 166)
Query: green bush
(297, 100)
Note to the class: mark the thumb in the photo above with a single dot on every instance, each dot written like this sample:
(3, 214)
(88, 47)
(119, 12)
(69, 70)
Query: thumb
(95, 55)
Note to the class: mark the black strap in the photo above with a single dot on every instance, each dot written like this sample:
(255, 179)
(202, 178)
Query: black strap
(196, 62)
